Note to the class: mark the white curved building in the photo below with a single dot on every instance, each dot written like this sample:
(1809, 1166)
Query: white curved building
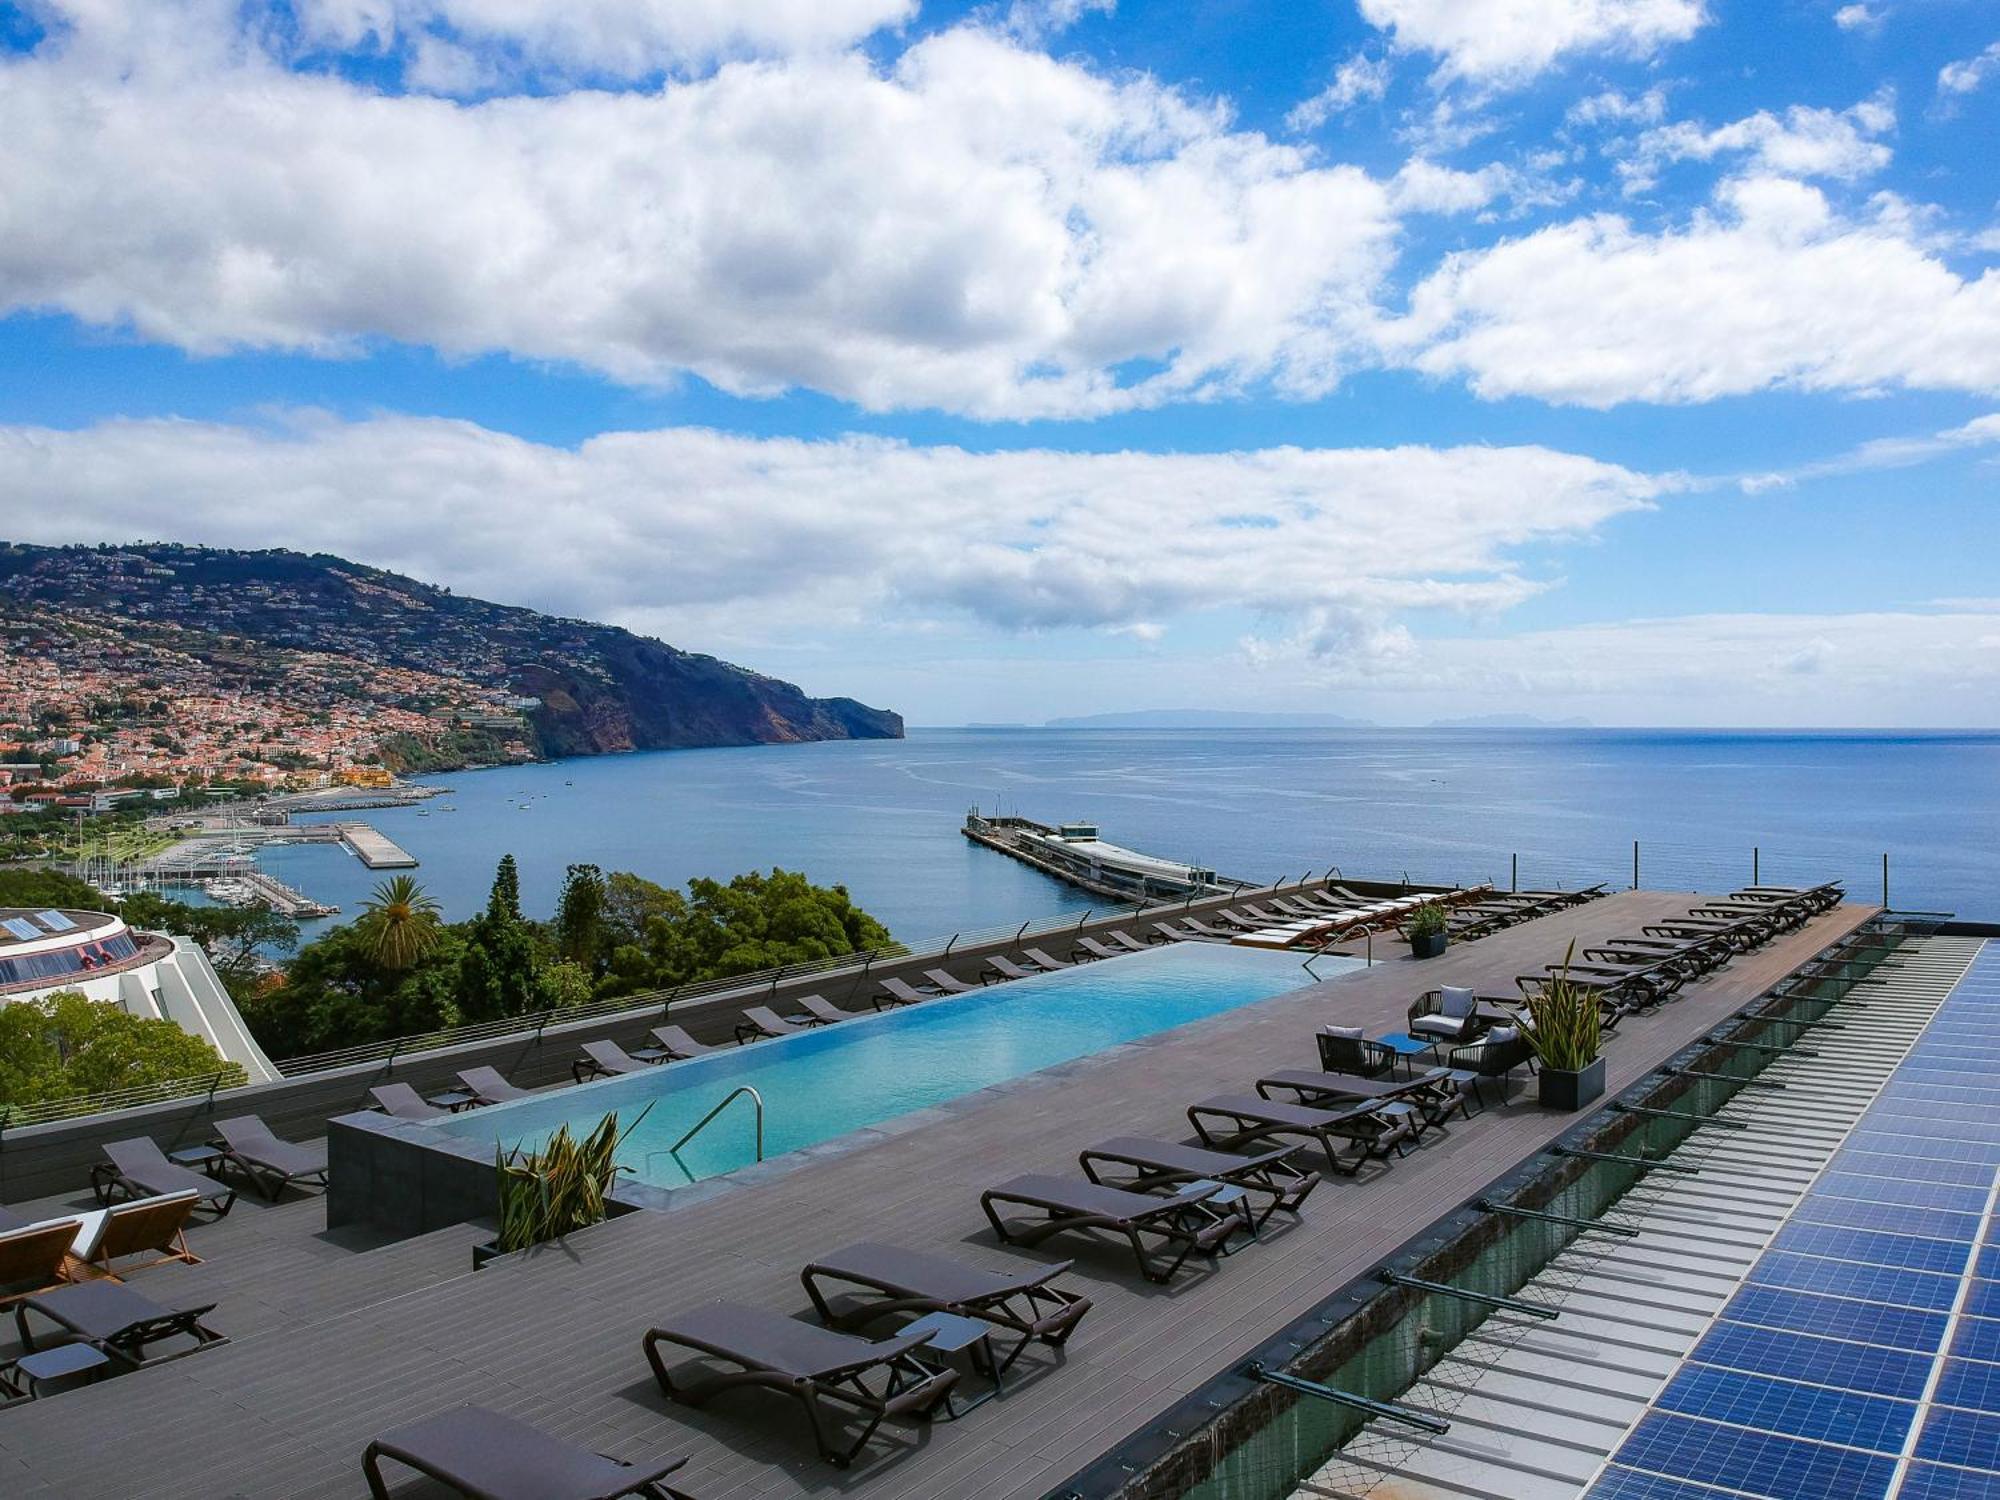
(142, 973)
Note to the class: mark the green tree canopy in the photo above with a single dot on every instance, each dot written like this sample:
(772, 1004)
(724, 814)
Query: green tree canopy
(401, 923)
(504, 904)
(756, 921)
(66, 1044)
(39, 888)
(580, 932)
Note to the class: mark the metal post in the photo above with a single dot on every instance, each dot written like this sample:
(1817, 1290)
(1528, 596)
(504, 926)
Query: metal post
(1514, 874)
(1756, 878)
(1885, 880)
(1635, 864)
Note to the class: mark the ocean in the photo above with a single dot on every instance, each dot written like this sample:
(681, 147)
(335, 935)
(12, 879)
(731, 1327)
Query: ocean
(1558, 806)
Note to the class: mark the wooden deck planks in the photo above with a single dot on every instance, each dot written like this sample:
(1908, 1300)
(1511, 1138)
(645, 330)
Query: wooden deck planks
(333, 1346)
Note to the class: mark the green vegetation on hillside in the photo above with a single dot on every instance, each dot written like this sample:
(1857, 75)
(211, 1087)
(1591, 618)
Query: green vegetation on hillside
(67, 1044)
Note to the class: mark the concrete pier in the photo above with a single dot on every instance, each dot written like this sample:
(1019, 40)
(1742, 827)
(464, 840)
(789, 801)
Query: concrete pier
(373, 850)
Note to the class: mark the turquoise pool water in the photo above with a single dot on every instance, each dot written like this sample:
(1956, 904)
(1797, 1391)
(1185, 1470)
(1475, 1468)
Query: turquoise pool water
(839, 1078)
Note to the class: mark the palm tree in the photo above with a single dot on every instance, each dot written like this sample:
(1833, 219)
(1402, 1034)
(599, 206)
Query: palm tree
(400, 922)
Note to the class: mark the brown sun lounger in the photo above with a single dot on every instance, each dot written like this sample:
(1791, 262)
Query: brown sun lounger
(1005, 968)
(34, 1258)
(139, 1169)
(1126, 941)
(153, 1227)
(819, 1368)
(404, 1103)
(1184, 1220)
(487, 1086)
(1049, 962)
(1169, 933)
(1089, 948)
(1372, 1128)
(606, 1059)
(487, 1456)
(899, 992)
(944, 981)
(824, 1012)
(271, 1164)
(911, 1281)
(760, 1021)
(677, 1046)
(111, 1317)
(1155, 1164)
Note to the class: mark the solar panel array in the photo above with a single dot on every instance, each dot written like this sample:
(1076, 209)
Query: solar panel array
(55, 921)
(1861, 1357)
(22, 928)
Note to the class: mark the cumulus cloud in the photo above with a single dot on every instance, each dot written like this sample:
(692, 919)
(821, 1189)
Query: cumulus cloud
(1802, 142)
(1969, 74)
(1034, 20)
(1496, 42)
(976, 227)
(1857, 18)
(1771, 288)
(1425, 187)
(1359, 80)
(1615, 107)
(672, 529)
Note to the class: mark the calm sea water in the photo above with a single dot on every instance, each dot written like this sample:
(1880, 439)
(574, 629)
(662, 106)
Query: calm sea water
(882, 817)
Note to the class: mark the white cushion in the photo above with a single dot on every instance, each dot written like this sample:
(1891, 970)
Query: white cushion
(1437, 1026)
(1454, 1000)
(1503, 1034)
(1352, 1033)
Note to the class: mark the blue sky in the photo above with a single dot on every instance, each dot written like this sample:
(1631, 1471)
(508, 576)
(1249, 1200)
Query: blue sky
(1632, 359)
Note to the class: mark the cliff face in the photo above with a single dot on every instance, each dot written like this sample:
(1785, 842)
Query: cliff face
(601, 689)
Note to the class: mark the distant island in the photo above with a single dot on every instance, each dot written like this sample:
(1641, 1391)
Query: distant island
(158, 664)
(1207, 718)
(1510, 721)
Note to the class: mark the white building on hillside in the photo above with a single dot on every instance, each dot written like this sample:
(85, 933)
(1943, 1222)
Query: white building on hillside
(143, 973)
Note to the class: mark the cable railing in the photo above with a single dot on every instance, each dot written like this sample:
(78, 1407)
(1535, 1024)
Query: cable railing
(46, 1111)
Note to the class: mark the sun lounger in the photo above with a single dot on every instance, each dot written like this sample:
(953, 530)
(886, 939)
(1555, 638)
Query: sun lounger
(1126, 941)
(1214, 934)
(488, 1087)
(486, 1456)
(1184, 1220)
(1169, 933)
(139, 1169)
(154, 1227)
(1372, 1129)
(1271, 1175)
(404, 1102)
(760, 1022)
(271, 1165)
(911, 1281)
(947, 984)
(1431, 1092)
(896, 992)
(1048, 961)
(110, 1316)
(1090, 948)
(677, 1046)
(606, 1059)
(818, 1367)
(33, 1257)
(824, 1012)
(1003, 967)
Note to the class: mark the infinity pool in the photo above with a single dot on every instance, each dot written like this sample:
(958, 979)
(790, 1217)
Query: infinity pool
(834, 1079)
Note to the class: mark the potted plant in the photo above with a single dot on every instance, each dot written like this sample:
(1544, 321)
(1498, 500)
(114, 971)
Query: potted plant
(1426, 930)
(557, 1190)
(1565, 1030)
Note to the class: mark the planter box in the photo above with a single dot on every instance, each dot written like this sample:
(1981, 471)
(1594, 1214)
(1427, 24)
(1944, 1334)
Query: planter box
(1561, 1090)
(1430, 945)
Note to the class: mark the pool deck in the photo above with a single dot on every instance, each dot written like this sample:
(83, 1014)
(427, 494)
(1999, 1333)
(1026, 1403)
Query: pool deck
(332, 1344)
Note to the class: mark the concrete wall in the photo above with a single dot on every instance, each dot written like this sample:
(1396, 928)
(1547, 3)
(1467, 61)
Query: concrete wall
(42, 1160)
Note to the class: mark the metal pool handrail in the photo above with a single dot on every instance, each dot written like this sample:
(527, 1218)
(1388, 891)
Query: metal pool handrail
(734, 1094)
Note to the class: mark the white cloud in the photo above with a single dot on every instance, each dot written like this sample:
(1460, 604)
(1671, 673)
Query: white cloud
(1034, 20)
(979, 227)
(1884, 453)
(1969, 74)
(795, 535)
(1614, 107)
(1771, 288)
(1803, 142)
(1510, 41)
(1858, 18)
(607, 38)
(1359, 80)
(1425, 187)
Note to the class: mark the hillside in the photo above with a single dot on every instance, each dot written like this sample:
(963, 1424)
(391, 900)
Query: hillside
(447, 675)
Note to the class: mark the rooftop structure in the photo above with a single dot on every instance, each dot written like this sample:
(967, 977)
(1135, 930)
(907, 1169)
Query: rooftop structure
(1073, 852)
(155, 975)
(354, 1343)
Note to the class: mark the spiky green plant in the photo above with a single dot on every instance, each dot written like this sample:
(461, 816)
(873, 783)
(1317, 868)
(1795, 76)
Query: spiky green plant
(1563, 1024)
(1427, 920)
(561, 1188)
(400, 922)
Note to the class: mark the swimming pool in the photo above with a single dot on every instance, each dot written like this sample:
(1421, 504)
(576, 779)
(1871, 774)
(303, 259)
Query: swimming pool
(835, 1079)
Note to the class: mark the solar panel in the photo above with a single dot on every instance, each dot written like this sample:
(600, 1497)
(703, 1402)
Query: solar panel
(55, 921)
(22, 928)
(1874, 1310)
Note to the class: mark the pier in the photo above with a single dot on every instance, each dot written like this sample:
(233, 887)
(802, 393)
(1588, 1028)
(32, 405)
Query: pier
(373, 849)
(281, 898)
(1075, 855)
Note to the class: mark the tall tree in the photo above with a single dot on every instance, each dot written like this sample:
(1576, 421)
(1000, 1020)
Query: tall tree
(580, 917)
(504, 904)
(400, 922)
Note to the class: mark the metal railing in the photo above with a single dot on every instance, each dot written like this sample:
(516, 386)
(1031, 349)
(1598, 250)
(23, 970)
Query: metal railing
(44, 1111)
(757, 1104)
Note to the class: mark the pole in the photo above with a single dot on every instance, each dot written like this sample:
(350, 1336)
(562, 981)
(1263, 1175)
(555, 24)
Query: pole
(1885, 880)
(1755, 877)
(1514, 874)
(1635, 864)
